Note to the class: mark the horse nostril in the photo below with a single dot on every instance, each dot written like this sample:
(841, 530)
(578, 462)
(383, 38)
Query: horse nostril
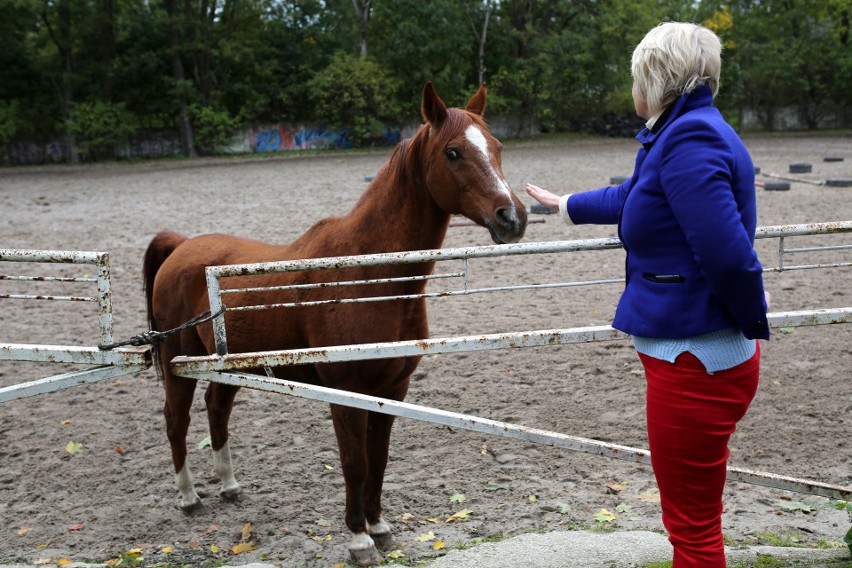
(506, 217)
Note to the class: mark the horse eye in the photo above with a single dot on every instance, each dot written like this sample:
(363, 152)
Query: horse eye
(452, 154)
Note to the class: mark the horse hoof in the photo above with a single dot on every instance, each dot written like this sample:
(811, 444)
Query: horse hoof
(190, 507)
(384, 541)
(366, 556)
(231, 494)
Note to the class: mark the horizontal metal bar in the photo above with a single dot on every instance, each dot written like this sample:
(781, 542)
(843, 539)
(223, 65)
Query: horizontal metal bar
(344, 283)
(537, 338)
(66, 380)
(817, 249)
(52, 256)
(42, 297)
(786, 268)
(502, 429)
(412, 257)
(75, 355)
(47, 278)
(803, 229)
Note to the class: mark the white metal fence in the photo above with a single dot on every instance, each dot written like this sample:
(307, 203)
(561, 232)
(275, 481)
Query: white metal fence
(106, 363)
(227, 368)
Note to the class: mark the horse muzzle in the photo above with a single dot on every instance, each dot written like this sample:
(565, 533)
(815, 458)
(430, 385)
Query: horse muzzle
(508, 224)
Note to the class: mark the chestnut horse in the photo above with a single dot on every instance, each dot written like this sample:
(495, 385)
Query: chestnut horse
(452, 165)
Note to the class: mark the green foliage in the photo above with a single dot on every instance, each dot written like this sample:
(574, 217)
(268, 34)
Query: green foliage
(356, 94)
(559, 64)
(99, 127)
(9, 122)
(212, 128)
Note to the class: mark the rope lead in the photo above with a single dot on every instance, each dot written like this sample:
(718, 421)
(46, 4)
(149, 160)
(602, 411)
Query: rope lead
(152, 337)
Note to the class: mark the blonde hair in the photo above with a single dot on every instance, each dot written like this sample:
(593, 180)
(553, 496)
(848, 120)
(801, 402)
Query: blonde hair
(673, 59)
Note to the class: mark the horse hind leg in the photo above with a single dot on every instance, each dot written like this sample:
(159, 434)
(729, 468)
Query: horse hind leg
(220, 402)
(179, 393)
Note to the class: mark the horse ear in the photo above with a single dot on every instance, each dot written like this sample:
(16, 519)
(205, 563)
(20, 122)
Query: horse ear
(433, 108)
(477, 102)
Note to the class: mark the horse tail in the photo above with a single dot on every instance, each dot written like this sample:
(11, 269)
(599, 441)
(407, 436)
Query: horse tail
(162, 245)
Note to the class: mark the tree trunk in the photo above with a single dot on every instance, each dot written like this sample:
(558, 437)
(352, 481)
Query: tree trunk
(187, 140)
(362, 12)
(66, 91)
(107, 46)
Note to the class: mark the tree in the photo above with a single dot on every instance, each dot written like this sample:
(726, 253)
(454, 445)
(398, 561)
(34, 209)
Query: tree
(362, 12)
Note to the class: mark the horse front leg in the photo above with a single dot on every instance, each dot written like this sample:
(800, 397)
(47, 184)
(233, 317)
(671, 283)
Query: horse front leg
(350, 427)
(220, 402)
(378, 441)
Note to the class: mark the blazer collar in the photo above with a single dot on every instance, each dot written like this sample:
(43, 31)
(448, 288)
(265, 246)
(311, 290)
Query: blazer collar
(700, 97)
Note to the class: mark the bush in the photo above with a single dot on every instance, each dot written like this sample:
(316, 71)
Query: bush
(356, 94)
(98, 127)
(211, 128)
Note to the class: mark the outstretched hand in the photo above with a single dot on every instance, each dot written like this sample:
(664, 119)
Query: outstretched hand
(546, 198)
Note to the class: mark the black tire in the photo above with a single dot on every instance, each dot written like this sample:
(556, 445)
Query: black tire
(800, 168)
(617, 180)
(839, 182)
(541, 209)
(776, 185)
(756, 170)
(832, 159)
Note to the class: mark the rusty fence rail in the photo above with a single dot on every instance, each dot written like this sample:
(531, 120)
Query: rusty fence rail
(227, 368)
(106, 364)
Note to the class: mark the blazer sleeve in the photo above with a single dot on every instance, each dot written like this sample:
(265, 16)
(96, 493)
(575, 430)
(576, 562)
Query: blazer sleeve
(701, 196)
(598, 206)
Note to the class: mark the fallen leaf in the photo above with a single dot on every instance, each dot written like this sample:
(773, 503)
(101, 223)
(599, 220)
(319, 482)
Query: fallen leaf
(604, 516)
(650, 496)
(339, 565)
(425, 537)
(329, 467)
(434, 520)
(458, 498)
(323, 522)
(119, 450)
(74, 448)
(532, 499)
(66, 422)
(462, 515)
(24, 530)
(205, 443)
(484, 450)
(77, 527)
(211, 529)
(246, 532)
(166, 550)
(395, 554)
(564, 508)
(243, 547)
(623, 508)
(64, 561)
(41, 561)
(135, 551)
(214, 548)
(406, 517)
(193, 544)
(438, 545)
(491, 486)
(615, 488)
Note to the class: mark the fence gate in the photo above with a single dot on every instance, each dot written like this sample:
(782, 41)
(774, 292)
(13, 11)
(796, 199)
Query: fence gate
(106, 363)
(229, 368)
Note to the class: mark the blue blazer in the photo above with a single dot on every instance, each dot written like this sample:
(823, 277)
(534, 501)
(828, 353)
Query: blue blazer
(686, 218)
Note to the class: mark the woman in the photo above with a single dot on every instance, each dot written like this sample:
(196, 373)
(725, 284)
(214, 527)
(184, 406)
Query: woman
(693, 300)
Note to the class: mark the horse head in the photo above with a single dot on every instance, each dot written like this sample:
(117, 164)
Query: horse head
(464, 174)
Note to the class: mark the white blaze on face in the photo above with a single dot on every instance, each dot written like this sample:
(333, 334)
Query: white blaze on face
(474, 136)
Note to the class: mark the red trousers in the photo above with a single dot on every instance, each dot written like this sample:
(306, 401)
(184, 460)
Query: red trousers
(691, 415)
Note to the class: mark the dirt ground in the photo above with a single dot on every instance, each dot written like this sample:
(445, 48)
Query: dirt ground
(117, 493)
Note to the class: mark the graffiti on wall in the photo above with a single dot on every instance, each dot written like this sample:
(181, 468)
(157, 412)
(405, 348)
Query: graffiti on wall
(284, 137)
